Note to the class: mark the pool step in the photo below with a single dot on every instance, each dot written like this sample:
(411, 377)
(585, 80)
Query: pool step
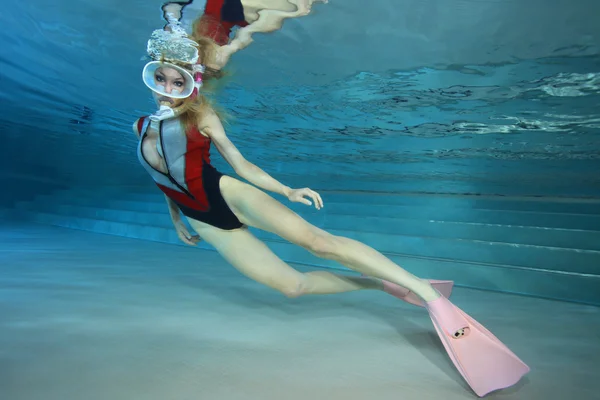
(526, 259)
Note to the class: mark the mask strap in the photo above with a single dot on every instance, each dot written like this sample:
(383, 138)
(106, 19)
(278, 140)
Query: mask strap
(198, 71)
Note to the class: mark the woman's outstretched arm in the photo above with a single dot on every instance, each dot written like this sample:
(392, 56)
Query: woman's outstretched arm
(244, 168)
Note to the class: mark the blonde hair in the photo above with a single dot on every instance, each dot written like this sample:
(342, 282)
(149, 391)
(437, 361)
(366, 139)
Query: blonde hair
(193, 109)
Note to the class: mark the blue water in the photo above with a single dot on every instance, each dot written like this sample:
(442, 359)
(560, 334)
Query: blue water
(456, 114)
(460, 138)
(475, 96)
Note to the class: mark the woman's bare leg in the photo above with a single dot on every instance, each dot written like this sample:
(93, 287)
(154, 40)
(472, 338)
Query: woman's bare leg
(254, 259)
(256, 208)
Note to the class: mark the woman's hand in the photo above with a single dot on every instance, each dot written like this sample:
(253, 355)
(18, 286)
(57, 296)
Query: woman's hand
(298, 196)
(184, 234)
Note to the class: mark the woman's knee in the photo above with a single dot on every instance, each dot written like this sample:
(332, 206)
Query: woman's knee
(295, 288)
(323, 245)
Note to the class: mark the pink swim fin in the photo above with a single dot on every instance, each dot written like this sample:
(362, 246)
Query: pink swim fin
(443, 287)
(483, 360)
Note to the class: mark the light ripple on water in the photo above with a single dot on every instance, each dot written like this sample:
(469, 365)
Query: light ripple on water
(534, 115)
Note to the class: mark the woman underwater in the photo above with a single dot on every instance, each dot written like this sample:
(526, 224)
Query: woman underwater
(174, 148)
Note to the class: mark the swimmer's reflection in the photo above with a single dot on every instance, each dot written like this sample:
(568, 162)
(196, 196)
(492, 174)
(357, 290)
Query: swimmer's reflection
(220, 17)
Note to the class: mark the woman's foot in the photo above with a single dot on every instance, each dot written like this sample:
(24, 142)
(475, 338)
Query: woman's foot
(433, 290)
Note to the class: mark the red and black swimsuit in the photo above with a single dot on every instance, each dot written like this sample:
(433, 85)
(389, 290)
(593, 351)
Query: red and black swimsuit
(220, 16)
(191, 181)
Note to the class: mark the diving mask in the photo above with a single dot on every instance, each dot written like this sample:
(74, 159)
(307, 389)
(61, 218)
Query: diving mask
(156, 74)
